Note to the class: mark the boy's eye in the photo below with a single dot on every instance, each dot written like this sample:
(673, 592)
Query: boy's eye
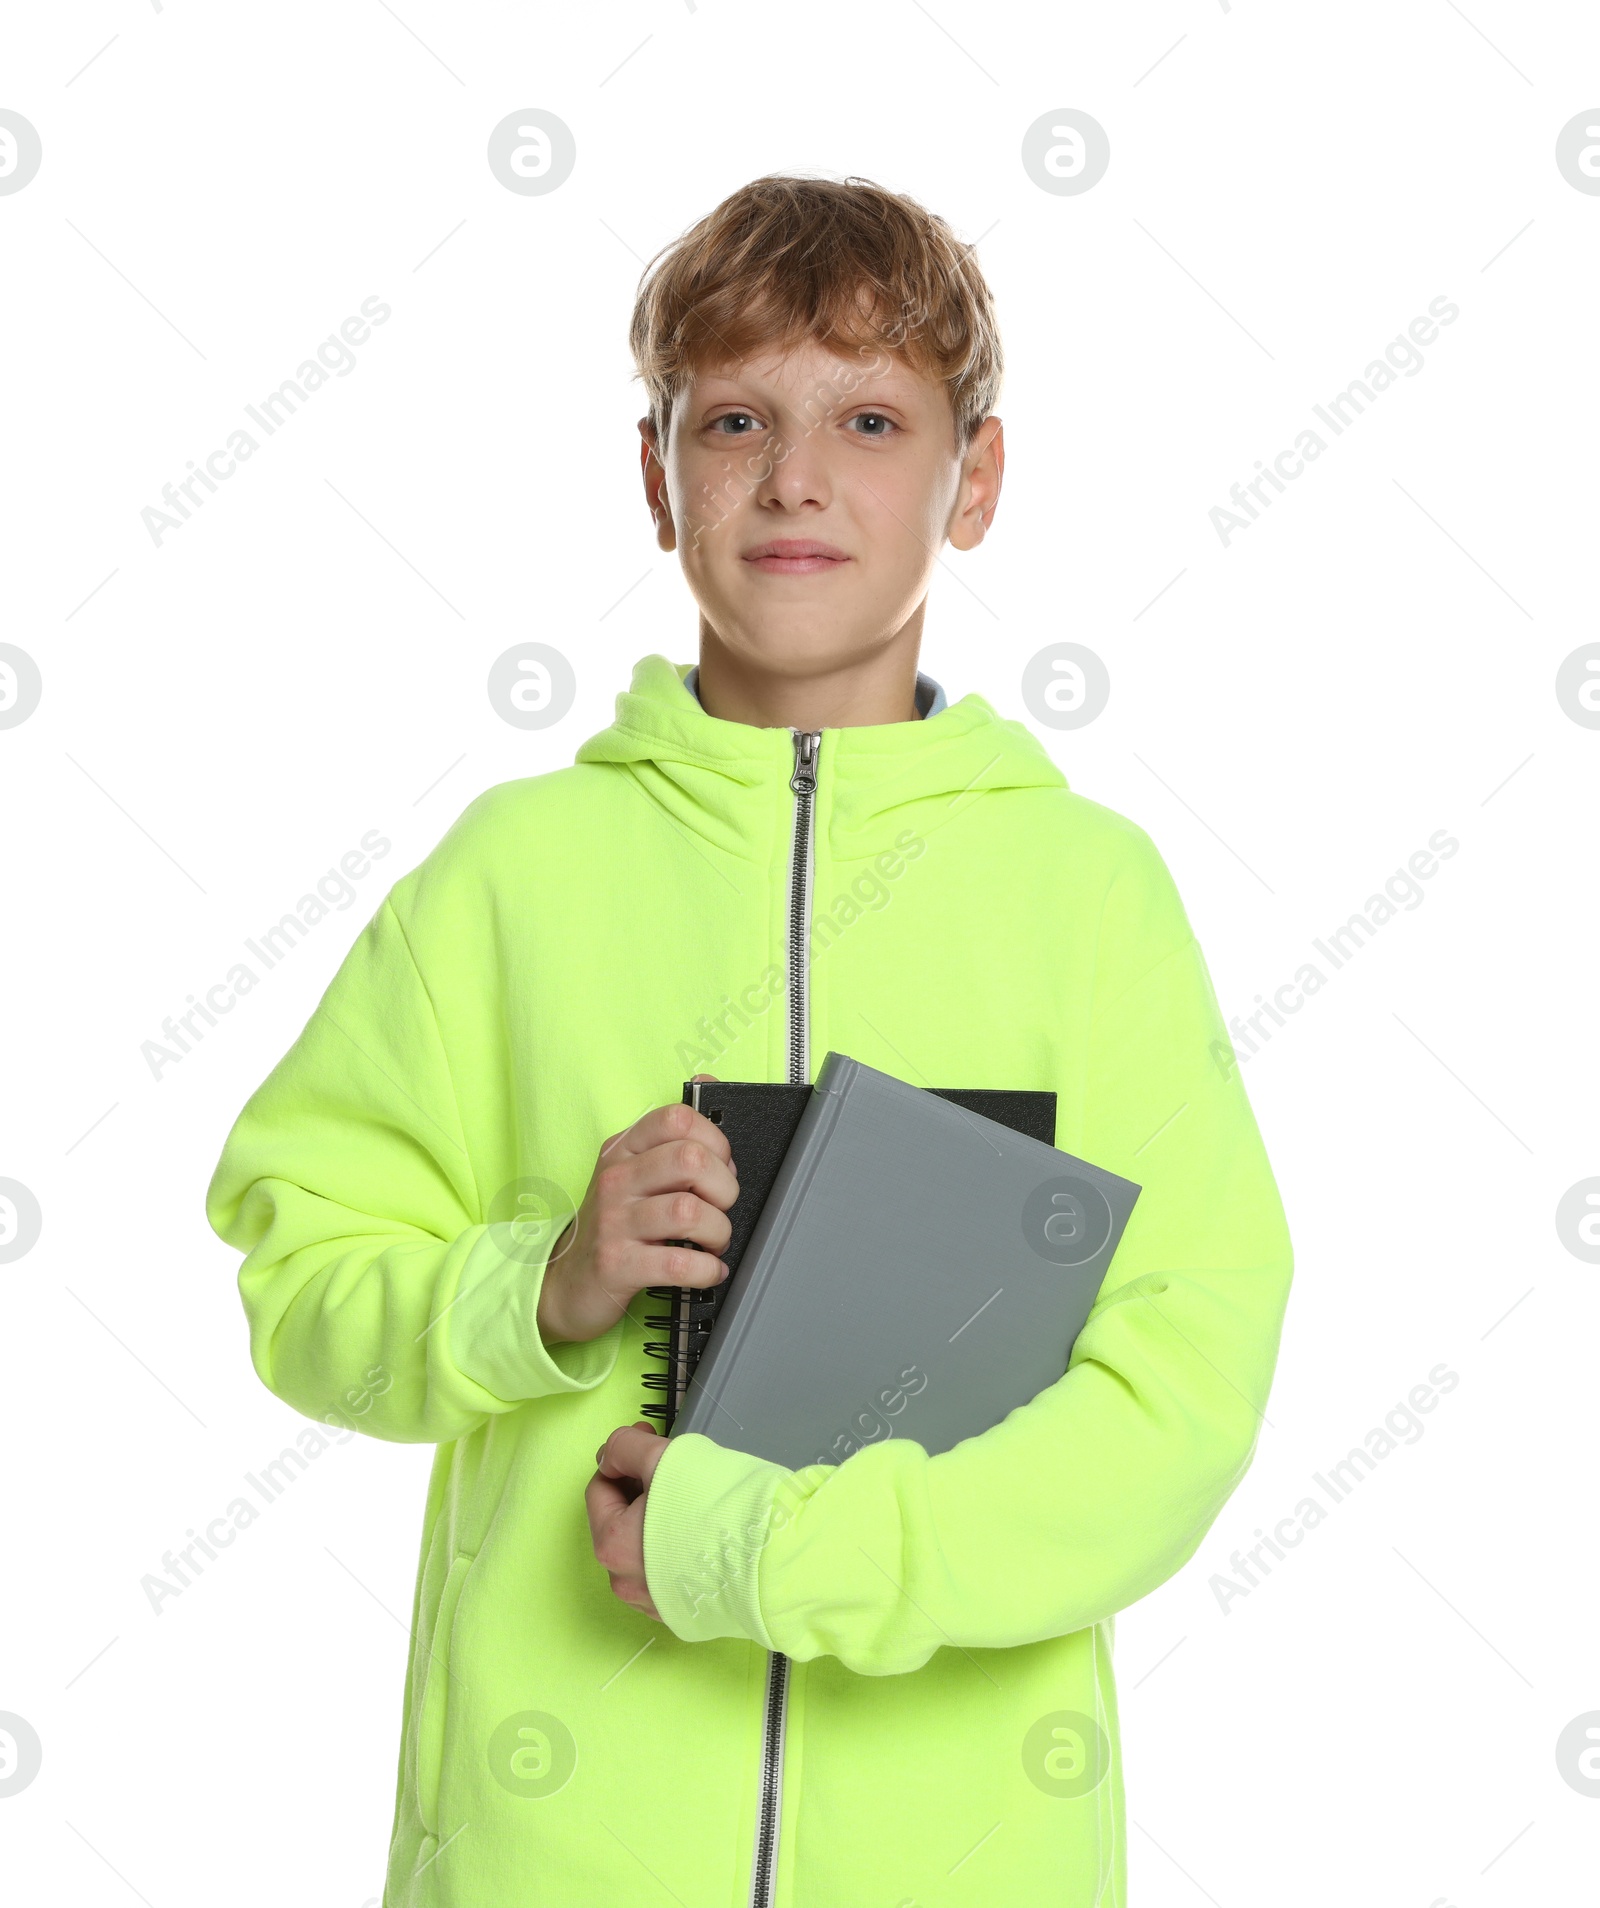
(743, 415)
(874, 417)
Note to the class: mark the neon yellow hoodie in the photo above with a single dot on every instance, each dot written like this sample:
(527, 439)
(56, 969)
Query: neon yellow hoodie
(882, 1682)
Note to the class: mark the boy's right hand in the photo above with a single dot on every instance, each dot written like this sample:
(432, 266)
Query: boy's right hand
(668, 1176)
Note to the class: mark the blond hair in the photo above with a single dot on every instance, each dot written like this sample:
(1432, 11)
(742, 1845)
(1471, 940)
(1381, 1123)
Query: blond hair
(844, 263)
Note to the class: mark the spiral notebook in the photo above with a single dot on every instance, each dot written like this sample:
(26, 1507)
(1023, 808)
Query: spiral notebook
(918, 1269)
(759, 1118)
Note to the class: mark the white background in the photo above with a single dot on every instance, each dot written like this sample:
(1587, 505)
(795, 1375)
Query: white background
(1292, 716)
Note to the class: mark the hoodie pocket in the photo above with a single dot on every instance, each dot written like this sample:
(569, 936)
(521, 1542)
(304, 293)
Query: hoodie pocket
(436, 1695)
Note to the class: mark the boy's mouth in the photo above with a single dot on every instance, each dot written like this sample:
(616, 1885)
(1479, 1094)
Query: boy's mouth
(795, 556)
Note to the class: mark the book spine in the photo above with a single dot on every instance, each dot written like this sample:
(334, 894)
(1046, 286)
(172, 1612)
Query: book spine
(778, 1217)
(687, 1323)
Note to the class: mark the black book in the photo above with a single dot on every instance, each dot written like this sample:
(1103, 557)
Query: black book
(760, 1118)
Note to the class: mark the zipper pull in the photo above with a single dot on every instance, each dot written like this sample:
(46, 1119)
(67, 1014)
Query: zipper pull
(804, 779)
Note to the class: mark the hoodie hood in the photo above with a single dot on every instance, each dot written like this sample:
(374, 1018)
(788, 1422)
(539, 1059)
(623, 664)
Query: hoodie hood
(721, 779)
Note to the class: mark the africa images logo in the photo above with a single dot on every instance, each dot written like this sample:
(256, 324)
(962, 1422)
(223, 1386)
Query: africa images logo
(1067, 1220)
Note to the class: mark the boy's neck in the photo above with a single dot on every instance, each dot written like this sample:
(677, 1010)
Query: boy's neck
(877, 688)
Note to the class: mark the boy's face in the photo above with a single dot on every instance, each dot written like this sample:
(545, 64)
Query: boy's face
(856, 453)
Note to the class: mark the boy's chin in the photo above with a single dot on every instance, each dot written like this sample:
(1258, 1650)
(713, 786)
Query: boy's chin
(788, 619)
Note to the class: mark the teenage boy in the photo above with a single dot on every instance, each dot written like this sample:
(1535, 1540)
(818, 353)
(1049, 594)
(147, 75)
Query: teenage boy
(647, 1671)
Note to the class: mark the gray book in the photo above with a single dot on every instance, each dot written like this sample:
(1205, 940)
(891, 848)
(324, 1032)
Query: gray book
(918, 1271)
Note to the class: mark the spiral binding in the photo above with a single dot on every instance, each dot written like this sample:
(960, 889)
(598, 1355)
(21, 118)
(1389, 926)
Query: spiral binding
(688, 1326)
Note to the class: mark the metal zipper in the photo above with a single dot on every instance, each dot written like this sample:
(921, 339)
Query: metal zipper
(803, 781)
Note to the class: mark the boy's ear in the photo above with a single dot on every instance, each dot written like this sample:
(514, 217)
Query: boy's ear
(655, 485)
(981, 472)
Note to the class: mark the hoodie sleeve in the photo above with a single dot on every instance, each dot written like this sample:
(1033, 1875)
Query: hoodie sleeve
(1093, 1493)
(372, 1286)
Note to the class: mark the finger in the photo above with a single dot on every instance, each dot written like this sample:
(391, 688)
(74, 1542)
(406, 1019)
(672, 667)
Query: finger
(616, 1538)
(637, 1264)
(642, 1448)
(619, 1545)
(614, 1460)
(604, 1502)
(675, 1121)
(610, 1463)
(632, 1450)
(664, 1219)
(677, 1265)
(605, 1491)
(637, 1599)
(684, 1164)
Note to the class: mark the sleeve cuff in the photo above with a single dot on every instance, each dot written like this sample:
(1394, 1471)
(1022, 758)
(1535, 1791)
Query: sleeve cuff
(710, 1515)
(493, 1329)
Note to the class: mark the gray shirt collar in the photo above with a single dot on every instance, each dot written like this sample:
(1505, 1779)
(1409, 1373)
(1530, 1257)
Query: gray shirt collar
(930, 697)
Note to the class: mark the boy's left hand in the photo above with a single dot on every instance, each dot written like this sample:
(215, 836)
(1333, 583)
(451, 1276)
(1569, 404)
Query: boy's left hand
(615, 1500)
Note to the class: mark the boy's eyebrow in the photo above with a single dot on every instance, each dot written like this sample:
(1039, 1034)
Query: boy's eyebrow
(889, 379)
